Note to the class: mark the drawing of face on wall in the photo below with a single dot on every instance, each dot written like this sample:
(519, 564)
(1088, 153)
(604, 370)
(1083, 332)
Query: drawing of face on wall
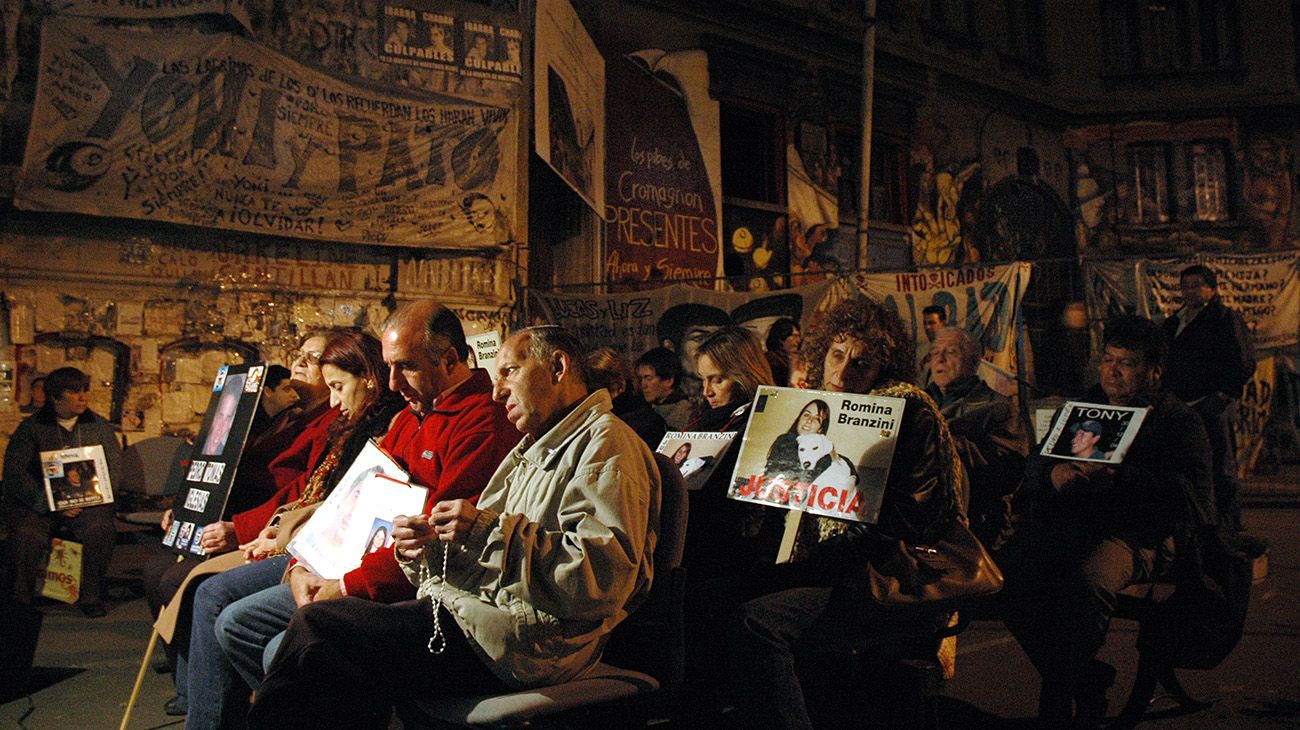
(479, 211)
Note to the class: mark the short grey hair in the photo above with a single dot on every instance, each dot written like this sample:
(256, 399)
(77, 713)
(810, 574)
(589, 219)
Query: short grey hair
(546, 339)
(439, 326)
(971, 349)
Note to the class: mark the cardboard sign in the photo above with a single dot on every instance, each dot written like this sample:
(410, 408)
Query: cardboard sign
(209, 472)
(358, 511)
(76, 478)
(819, 452)
(1093, 432)
(696, 453)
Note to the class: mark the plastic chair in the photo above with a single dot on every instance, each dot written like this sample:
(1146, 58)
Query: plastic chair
(646, 651)
(145, 467)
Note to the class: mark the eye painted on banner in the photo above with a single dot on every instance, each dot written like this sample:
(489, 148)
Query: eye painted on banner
(75, 166)
(475, 159)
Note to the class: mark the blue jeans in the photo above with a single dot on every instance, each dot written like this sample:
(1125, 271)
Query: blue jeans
(246, 627)
(216, 695)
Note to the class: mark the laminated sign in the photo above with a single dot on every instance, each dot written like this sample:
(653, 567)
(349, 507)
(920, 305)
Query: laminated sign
(819, 452)
(76, 477)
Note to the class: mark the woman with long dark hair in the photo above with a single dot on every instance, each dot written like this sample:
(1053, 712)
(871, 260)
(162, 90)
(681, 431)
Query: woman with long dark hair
(353, 368)
(783, 456)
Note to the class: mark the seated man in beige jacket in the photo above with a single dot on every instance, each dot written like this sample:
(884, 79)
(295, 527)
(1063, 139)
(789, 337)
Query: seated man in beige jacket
(521, 590)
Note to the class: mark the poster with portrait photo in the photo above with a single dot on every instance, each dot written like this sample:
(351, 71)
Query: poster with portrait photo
(696, 453)
(202, 479)
(334, 539)
(381, 536)
(76, 477)
(1093, 432)
(814, 451)
(418, 37)
(327, 542)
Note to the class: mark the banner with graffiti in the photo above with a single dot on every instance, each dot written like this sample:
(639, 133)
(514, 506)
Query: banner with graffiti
(661, 217)
(984, 300)
(677, 317)
(569, 101)
(1253, 412)
(213, 130)
(152, 9)
(1265, 288)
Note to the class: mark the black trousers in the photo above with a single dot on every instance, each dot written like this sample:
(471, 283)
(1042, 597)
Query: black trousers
(349, 660)
(29, 540)
(795, 607)
(1059, 597)
(1223, 458)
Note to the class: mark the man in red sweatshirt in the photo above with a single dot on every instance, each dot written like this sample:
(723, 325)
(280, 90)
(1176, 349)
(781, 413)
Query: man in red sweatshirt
(450, 439)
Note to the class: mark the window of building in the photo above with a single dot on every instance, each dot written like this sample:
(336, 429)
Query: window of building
(953, 16)
(888, 180)
(753, 153)
(1209, 177)
(1024, 31)
(1148, 201)
(1144, 37)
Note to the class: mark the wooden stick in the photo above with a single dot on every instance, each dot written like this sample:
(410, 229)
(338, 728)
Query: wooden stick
(139, 678)
(144, 666)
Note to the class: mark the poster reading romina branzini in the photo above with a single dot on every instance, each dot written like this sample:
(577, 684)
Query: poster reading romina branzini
(1093, 432)
(695, 453)
(824, 453)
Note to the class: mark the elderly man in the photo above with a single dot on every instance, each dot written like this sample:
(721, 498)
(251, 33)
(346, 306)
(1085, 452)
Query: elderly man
(1210, 360)
(450, 438)
(1095, 528)
(520, 591)
(990, 435)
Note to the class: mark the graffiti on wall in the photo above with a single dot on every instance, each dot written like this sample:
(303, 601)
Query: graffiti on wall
(1266, 188)
(943, 192)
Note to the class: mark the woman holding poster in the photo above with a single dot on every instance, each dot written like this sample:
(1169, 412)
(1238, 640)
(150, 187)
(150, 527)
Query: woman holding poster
(723, 535)
(65, 421)
(353, 369)
(858, 347)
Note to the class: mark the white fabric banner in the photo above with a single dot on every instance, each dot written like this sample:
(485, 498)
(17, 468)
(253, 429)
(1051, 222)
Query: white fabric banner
(1265, 288)
(984, 300)
(214, 130)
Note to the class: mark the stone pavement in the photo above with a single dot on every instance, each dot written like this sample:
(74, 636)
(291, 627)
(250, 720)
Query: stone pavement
(1257, 687)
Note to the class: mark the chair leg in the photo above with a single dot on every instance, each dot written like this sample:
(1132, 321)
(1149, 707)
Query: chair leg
(1169, 681)
(1144, 688)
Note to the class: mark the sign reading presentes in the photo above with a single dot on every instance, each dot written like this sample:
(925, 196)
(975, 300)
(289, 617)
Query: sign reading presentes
(214, 130)
(206, 479)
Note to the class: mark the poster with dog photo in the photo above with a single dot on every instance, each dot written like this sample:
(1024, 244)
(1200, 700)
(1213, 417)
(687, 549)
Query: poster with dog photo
(819, 452)
(1093, 432)
(696, 453)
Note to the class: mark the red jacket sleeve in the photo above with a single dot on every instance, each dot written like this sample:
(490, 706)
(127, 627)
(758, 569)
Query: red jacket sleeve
(291, 470)
(465, 467)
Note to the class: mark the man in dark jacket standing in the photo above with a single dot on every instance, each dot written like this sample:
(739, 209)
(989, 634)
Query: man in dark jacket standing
(65, 421)
(1210, 360)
